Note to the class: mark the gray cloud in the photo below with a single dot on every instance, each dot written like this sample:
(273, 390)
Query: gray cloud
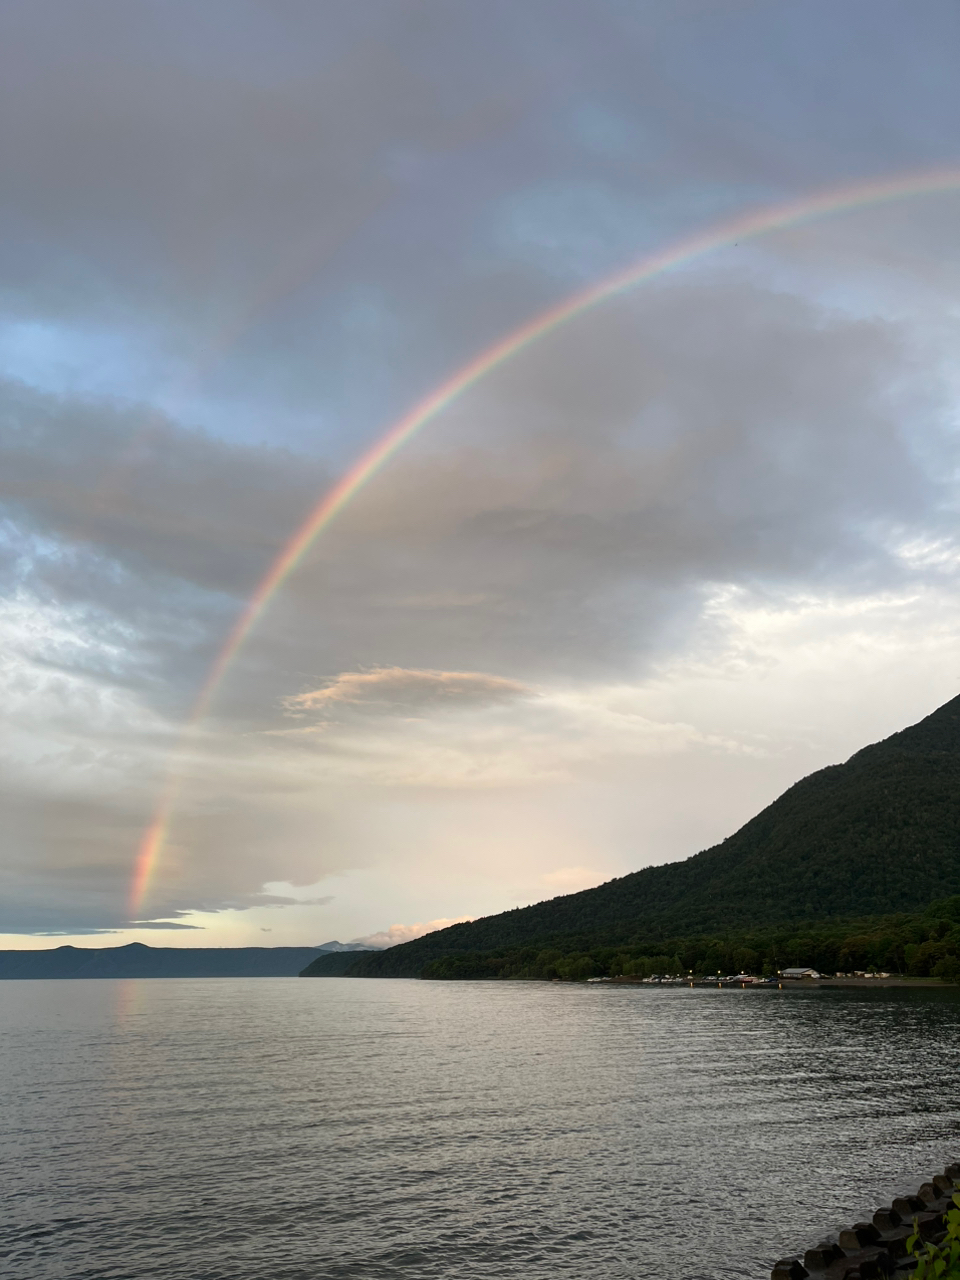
(396, 690)
(67, 861)
(155, 497)
(568, 516)
(151, 534)
(566, 513)
(286, 222)
(564, 522)
(308, 214)
(163, 924)
(275, 900)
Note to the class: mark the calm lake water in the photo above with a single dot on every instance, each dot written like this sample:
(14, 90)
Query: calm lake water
(276, 1129)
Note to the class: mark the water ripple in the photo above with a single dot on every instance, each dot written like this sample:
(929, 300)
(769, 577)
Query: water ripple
(246, 1129)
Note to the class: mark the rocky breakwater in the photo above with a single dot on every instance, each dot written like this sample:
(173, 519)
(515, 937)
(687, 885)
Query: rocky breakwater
(869, 1250)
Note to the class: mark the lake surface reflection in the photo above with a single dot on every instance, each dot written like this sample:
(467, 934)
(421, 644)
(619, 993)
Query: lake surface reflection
(277, 1129)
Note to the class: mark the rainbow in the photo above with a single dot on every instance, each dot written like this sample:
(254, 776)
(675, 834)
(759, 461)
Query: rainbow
(743, 226)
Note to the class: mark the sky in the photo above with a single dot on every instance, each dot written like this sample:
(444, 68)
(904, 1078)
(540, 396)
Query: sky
(687, 547)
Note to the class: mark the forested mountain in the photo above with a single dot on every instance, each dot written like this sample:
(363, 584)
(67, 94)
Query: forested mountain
(334, 964)
(919, 944)
(878, 835)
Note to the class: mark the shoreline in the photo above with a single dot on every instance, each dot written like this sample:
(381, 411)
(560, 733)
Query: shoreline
(790, 984)
(879, 1248)
(880, 982)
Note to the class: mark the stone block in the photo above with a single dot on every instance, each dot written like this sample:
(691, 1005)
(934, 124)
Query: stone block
(875, 1261)
(859, 1236)
(877, 1250)
(887, 1219)
(929, 1225)
(843, 1269)
(868, 1264)
(789, 1269)
(895, 1242)
(822, 1256)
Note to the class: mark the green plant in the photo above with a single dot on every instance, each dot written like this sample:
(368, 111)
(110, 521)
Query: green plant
(938, 1262)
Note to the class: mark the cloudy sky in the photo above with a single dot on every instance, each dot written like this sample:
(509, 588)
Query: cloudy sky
(680, 552)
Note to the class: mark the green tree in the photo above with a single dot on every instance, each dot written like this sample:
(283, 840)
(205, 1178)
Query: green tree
(948, 969)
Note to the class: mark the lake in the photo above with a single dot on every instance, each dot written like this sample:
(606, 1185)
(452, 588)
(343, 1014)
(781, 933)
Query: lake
(279, 1129)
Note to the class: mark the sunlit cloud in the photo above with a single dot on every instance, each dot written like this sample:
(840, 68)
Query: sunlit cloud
(395, 690)
(398, 933)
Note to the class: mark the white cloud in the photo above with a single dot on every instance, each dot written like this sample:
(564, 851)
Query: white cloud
(398, 933)
(511, 739)
(396, 690)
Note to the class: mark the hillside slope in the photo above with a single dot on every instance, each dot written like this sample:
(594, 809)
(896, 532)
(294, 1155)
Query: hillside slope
(334, 964)
(877, 835)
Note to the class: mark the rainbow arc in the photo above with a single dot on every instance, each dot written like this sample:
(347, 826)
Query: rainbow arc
(744, 226)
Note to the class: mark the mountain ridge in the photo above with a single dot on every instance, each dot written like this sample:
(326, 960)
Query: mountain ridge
(876, 835)
(138, 960)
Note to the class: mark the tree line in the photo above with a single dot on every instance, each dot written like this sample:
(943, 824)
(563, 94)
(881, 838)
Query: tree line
(917, 944)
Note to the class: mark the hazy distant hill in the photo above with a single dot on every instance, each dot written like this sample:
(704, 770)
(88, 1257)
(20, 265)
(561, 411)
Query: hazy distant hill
(138, 961)
(875, 836)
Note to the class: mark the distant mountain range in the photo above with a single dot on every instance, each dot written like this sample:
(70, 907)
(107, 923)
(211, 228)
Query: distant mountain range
(876, 836)
(135, 960)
